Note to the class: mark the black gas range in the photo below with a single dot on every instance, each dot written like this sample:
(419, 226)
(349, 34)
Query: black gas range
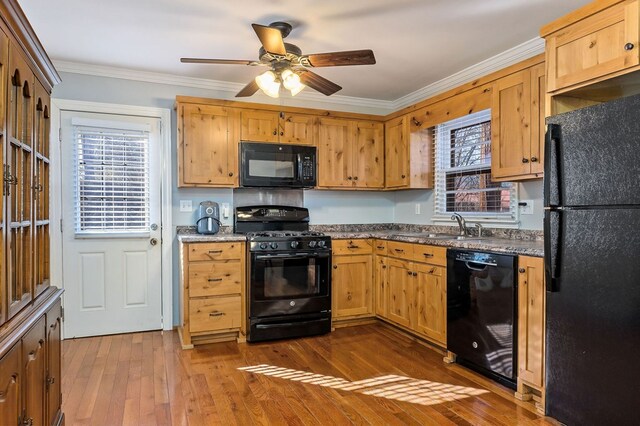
(289, 273)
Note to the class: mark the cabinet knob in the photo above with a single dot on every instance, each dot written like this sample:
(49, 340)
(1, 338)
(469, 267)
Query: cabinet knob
(404, 176)
(349, 296)
(415, 274)
(349, 177)
(522, 270)
(534, 159)
(335, 266)
(525, 160)
(409, 273)
(416, 122)
(281, 133)
(384, 266)
(230, 174)
(275, 132)
(355, 178)
(629, 46)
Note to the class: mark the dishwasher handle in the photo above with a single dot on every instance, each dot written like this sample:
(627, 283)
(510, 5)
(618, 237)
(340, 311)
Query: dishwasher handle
(469, 263)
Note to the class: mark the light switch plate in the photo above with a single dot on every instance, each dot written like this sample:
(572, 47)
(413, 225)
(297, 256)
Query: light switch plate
(186, 206)
(526, 209)
(417, 208)
(225, 210)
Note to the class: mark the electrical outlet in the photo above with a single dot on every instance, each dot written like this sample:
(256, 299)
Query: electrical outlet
(417, 208)
(526, 207)
(225, 210)
(186, 206)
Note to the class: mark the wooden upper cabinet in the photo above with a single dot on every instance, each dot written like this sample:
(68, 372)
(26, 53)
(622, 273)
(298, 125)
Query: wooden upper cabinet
(350, 153)
(208, 148)
(591, 43)
(531, 321)
(368, 158)
(274, 126)
(4, 66)
(259, 126)
(517, 125)
(397, 153)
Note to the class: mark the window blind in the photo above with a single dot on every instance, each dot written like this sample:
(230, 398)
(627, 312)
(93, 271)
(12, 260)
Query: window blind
(463, 172)
(111, 180)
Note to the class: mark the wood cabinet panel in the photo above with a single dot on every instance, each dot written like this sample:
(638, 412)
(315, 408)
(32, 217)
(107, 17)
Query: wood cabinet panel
(430, 254)
(380, 247)
(351, 247)
(431, 302)
(400, 249)
(400, 287)
(603, 43)
(397, 153)
(34, 364)
(214, 314)
(531, 320)
(54, 363)
(368, 169)
(208, 149)
(297, 129)
(11, 383)
(215, 278)
(352, 282)
(259, 126)
(335, 153)
(215, 251)
(381, 286)
(538, 126)
(4, 66)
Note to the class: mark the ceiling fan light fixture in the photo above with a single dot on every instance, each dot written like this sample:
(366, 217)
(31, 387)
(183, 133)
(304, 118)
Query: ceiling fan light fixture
(268, 83)
(291, 81)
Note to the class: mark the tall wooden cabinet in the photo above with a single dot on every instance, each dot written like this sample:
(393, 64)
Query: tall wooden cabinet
(30, 311)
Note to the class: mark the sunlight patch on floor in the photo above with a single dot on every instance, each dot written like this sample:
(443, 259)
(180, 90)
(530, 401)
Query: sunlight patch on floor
(400, 388)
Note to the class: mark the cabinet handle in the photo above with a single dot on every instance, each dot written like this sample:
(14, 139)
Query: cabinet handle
(384, 266)
(416, 122)
(522, 270)
(415, 274)
(353, 247)
(534, 159)
(349, 296)
(275, 132)
(409, 273)
(432, 270)
(427, 254)
(216, 314)
(525, 160)
(215, 251)
(51, 380)
(335, 266)
(230, 173)
(214, 280)
(27, 422)
(281, 133)
(629, 46)
(399, 250)
(355, 178)
(349, 178)
(404, 176)
(380, 247)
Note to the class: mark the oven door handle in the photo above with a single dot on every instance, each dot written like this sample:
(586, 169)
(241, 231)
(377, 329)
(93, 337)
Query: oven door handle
(293, 256)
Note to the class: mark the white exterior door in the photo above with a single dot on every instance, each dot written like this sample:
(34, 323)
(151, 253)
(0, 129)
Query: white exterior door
(111, 212)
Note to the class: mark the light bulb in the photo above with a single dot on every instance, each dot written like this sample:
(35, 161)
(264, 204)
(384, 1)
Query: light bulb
(291, 81)
(297, 89)
(267, 82)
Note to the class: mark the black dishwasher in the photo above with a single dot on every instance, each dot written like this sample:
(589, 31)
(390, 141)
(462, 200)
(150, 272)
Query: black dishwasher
(482, 312)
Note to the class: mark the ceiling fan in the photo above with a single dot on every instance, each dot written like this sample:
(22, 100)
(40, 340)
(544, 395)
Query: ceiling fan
(287, 65)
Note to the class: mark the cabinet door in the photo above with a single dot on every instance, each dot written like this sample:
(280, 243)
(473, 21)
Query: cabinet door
(335, 153)
(4, 66)
(297, 129)
(259, 126)
(594, 47)
(538, 128)
(397, 153)
(18, 171)
(381, 288)
(431, 302)
(400, 288)
(11, 386)
(531, 320)
(510, 126)
(33, 357)
(351, 285)
(369, 155)
(54, 363)
(207, 146)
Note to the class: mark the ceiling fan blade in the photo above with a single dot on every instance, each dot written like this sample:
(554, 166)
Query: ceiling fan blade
(337, 59)
(248, 90)
(271, 39)
(318, 83)
(215, 61)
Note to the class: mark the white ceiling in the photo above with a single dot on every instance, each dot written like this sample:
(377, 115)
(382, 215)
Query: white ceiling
(416, 42)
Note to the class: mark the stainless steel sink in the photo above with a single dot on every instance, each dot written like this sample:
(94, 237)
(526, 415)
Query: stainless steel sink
(433, 236)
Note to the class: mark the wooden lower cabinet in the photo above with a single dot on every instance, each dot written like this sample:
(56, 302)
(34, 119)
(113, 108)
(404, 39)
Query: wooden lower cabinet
(431, 302)
(212, 292)
(381, 286)
(400, 283)
(351, 279)
(30, 368)
(531, 328)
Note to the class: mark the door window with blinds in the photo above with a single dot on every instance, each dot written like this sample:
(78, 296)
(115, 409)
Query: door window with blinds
(463, 172)
(111, 178)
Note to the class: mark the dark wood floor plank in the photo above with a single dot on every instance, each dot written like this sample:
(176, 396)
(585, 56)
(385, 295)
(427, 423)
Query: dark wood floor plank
(361, 375)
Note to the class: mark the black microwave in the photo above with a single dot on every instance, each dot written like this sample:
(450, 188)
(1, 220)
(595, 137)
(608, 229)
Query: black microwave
(277, 166)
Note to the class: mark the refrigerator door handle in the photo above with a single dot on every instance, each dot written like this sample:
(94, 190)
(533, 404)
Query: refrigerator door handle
(552, 230)
(552, 166)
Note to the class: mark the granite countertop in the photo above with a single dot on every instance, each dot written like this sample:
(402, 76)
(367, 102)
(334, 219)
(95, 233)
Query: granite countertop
(527, 243)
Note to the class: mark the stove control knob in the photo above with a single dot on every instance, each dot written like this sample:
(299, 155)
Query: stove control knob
(274, 245)
(312, 243)
(294, 244)
(263, 246)
(321, 243)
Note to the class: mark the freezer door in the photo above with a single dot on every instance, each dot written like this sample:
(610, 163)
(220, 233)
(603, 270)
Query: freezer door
(593, 319)
(593, 158)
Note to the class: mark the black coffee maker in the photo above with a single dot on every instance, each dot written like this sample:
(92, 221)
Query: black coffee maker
(208, 221)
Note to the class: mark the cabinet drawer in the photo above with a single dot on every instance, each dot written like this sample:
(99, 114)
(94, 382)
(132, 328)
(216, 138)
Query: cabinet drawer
(215, 251)
(401, 250)
(355, 246)
(380, 247)
(214, 278)
(430, 254)
(214, 313)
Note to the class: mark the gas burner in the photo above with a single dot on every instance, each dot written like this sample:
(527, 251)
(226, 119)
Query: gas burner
(281, 234)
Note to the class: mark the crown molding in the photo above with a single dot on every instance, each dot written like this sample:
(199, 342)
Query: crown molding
(502, 60)
(228, 88)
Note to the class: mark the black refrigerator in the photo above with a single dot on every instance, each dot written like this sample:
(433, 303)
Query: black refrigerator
(592, 263)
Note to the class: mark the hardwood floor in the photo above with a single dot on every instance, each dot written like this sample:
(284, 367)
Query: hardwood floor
(363, 375)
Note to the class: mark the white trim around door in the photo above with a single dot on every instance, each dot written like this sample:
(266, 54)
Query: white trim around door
(164, 115)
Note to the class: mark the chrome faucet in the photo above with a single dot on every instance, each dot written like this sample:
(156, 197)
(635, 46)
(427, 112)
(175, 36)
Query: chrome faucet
(480, 228)
(461, 223)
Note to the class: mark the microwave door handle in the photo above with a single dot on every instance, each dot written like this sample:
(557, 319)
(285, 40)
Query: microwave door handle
(299, 162)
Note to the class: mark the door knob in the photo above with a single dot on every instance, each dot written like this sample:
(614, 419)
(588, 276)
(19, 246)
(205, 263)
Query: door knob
(153, 241)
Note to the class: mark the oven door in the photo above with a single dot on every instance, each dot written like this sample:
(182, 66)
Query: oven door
(289, 283)
(272, 165)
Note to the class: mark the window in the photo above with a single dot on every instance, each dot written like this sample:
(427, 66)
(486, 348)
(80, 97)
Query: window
(111, 180)
(463, 172)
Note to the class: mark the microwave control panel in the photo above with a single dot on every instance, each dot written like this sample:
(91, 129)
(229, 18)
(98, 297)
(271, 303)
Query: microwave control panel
(308, 167)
